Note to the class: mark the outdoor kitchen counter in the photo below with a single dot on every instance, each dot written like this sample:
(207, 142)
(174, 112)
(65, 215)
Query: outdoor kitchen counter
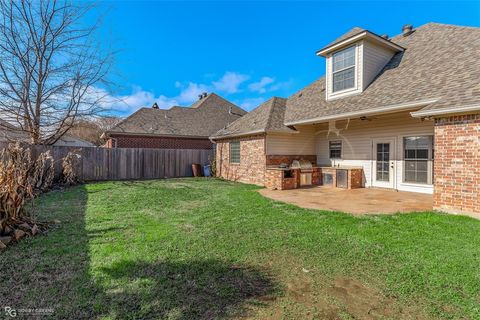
(347, 177)
(341, 167)
(288, 168)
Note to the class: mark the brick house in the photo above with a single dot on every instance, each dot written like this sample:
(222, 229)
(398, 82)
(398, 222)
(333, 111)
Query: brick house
(400, 113)
(175, 128)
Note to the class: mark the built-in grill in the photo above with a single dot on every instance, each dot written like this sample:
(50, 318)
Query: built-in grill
(306, 170)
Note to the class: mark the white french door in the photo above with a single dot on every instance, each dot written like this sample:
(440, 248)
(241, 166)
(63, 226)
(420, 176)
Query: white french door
(384, 164)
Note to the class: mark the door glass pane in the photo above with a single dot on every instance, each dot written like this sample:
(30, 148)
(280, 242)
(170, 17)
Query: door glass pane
(383, 162)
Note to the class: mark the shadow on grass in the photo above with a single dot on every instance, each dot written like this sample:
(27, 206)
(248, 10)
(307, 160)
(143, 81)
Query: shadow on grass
(55, 271)
(208, 289)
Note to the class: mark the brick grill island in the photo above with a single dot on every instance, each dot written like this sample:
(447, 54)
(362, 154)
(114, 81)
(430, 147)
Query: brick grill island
(285, 178)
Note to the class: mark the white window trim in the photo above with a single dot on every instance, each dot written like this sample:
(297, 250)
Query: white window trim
(341, 149)
(354, 67)
(430, 165)
(230, 152)
(330, 94)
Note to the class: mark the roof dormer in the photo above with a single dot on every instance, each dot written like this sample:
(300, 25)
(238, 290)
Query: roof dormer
(354, 60)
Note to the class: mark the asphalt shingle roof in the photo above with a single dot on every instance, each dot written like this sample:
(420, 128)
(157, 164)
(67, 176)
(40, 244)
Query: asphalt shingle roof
(202, 119)
(267, 117)
(440, 61)
(351, 33)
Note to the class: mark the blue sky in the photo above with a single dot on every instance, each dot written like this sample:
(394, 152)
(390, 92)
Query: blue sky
(245, 51)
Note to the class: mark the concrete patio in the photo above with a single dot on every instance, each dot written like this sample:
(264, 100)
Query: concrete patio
(355, 201)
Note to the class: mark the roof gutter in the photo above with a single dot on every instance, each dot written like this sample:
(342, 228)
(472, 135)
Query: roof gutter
(434, 112)
(240, 134)
(115, 133)
(368, 112)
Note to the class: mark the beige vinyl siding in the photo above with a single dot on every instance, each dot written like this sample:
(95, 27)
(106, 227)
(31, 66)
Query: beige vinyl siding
(358, 72)
(300, 143)
(375, 57)
(357, 135)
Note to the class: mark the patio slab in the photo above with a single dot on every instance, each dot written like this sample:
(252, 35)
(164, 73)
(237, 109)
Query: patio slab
(355, 201)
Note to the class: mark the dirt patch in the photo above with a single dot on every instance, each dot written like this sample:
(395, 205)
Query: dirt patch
(343, 298)
(299, 290)
(360, 301)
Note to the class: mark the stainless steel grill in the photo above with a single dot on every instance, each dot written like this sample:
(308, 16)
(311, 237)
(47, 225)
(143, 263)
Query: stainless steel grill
(306, 170)
(303, 165)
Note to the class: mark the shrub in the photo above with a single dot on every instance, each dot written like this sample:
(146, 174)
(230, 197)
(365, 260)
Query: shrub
(70, 164)
(22, 178)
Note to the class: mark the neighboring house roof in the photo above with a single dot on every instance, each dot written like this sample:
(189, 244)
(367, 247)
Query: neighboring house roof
(9, 132)
(268, 117)
(201, 119)
(69, 141)
(438, 70)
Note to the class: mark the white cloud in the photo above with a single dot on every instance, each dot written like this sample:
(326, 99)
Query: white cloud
(260, 86)
(137, 99)
(190, 92)
(230, 82)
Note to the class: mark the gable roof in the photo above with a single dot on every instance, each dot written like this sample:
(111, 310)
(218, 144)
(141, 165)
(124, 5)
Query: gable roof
(202, 119)
(267, 117)
(439, 69)
(351, 33)
(354, 35)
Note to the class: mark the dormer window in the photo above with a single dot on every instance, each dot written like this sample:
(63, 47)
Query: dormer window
(343, 69)
(354, 61)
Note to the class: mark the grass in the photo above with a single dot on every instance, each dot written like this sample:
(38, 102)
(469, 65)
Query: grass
(209, 249)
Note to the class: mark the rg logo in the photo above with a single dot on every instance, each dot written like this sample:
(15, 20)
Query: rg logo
(9, 311)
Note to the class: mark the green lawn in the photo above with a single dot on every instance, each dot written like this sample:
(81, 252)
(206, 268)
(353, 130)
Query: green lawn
(209, 249)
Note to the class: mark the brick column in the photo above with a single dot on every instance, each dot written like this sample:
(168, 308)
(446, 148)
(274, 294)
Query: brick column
(457, 164)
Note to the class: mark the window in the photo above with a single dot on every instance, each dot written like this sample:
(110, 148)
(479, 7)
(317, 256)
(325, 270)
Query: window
(235, 152)
(343, 69)
(335, 148)
(418, 155)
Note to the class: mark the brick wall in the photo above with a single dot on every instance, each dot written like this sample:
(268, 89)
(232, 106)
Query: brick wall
(457, 164)
(251, 168)
(134, 141)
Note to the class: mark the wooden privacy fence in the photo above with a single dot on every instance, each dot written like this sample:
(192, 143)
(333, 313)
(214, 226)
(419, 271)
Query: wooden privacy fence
(97, 164)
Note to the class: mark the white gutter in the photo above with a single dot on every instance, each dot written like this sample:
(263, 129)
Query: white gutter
(125, 133)
(367, 112)
(434, 112)
(241, 134)
(249, 133)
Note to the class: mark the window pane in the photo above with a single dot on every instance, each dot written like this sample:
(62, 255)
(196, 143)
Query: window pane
(235, 152)
(422, 154)
(344, 79)
(417, 150)
(335, 148)
(422, 166)
(422, 177)
(409, 176)
(344, 59)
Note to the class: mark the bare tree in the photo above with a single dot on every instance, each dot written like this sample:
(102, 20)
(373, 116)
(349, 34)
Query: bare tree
(51, 67)
(92, 130)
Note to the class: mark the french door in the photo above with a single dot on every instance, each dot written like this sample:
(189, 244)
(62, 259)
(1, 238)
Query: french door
(383, 163)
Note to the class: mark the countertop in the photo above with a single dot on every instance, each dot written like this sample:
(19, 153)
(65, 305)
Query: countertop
(342, 167)
(318, 167)
(285, 169)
